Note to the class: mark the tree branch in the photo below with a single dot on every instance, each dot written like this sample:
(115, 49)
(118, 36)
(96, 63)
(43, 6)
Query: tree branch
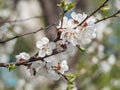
(114, 15)
(20, 20)
(32, 59)
(92, 13)
(29, 33)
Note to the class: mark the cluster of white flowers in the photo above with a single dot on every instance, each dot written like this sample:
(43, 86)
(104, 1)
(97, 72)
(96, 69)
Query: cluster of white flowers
(77, 35)
(71, 33)
(49, 69)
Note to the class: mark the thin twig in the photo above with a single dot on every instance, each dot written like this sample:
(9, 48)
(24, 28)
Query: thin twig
(33, 32)
(92, 13)
(114, 15)
(20, 20)
(63, 75)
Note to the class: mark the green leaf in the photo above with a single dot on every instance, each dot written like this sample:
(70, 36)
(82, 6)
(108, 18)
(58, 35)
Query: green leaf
(105, 8)
(81, 49)
(71, 76)
(70, 83)
(63, 4)
(11, 67)
(70, 6)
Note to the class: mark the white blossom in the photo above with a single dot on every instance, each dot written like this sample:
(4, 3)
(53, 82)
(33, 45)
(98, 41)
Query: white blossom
(23, 56)
(45, 47)
(50, 69)
(77, 35)
(78, 18)
(66, 23)
(34, 67)
(86, 35)
(70, 35)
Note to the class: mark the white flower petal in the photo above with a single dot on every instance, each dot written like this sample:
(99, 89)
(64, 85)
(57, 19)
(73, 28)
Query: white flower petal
(52, 45)
(39, 44)
(45, 40)
(42, 53)
(23, 55)
(64, 66)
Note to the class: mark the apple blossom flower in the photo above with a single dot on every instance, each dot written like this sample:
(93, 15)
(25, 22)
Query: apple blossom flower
(45, 47)
(81, 35)
(23, 56)
(50, 69)
(70, 35)
(86, 35)
(34, 67)
(66, 23)
(78, 18)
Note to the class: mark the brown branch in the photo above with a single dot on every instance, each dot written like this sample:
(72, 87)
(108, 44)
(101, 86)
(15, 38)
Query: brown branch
(63, 75)
(20, 20)
(92, 13)
(32, 59)
(29, 33)
(114, 15)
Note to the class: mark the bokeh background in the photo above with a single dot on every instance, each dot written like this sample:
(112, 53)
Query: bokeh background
(98, 68)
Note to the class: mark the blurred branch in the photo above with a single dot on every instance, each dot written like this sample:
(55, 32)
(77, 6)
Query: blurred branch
(20, 20)
(114, 15)
(29, 33)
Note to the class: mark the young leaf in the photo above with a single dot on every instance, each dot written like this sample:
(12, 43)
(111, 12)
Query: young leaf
(63, 4)
(71, 76)
(70, 6)
(11, 67)
(81, 49)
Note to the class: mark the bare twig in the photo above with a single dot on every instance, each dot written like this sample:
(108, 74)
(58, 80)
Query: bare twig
(20, 20)
(63, 75)
(114, 15)
(29, 33)
(92, 13)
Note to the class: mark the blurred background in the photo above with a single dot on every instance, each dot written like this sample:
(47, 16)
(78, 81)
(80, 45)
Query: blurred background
(98, 68)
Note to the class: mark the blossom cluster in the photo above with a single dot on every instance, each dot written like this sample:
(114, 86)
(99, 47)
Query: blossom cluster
(76, 34)
(71, 33)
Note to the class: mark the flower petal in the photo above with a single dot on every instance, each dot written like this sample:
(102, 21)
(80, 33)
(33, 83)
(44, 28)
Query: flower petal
(52, 45)
(41, 53)
(45, 40)
(39, 44)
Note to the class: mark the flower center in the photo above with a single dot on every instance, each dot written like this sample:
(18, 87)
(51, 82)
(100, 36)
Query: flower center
(46, 47)
(84, 24)
(76, 22)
